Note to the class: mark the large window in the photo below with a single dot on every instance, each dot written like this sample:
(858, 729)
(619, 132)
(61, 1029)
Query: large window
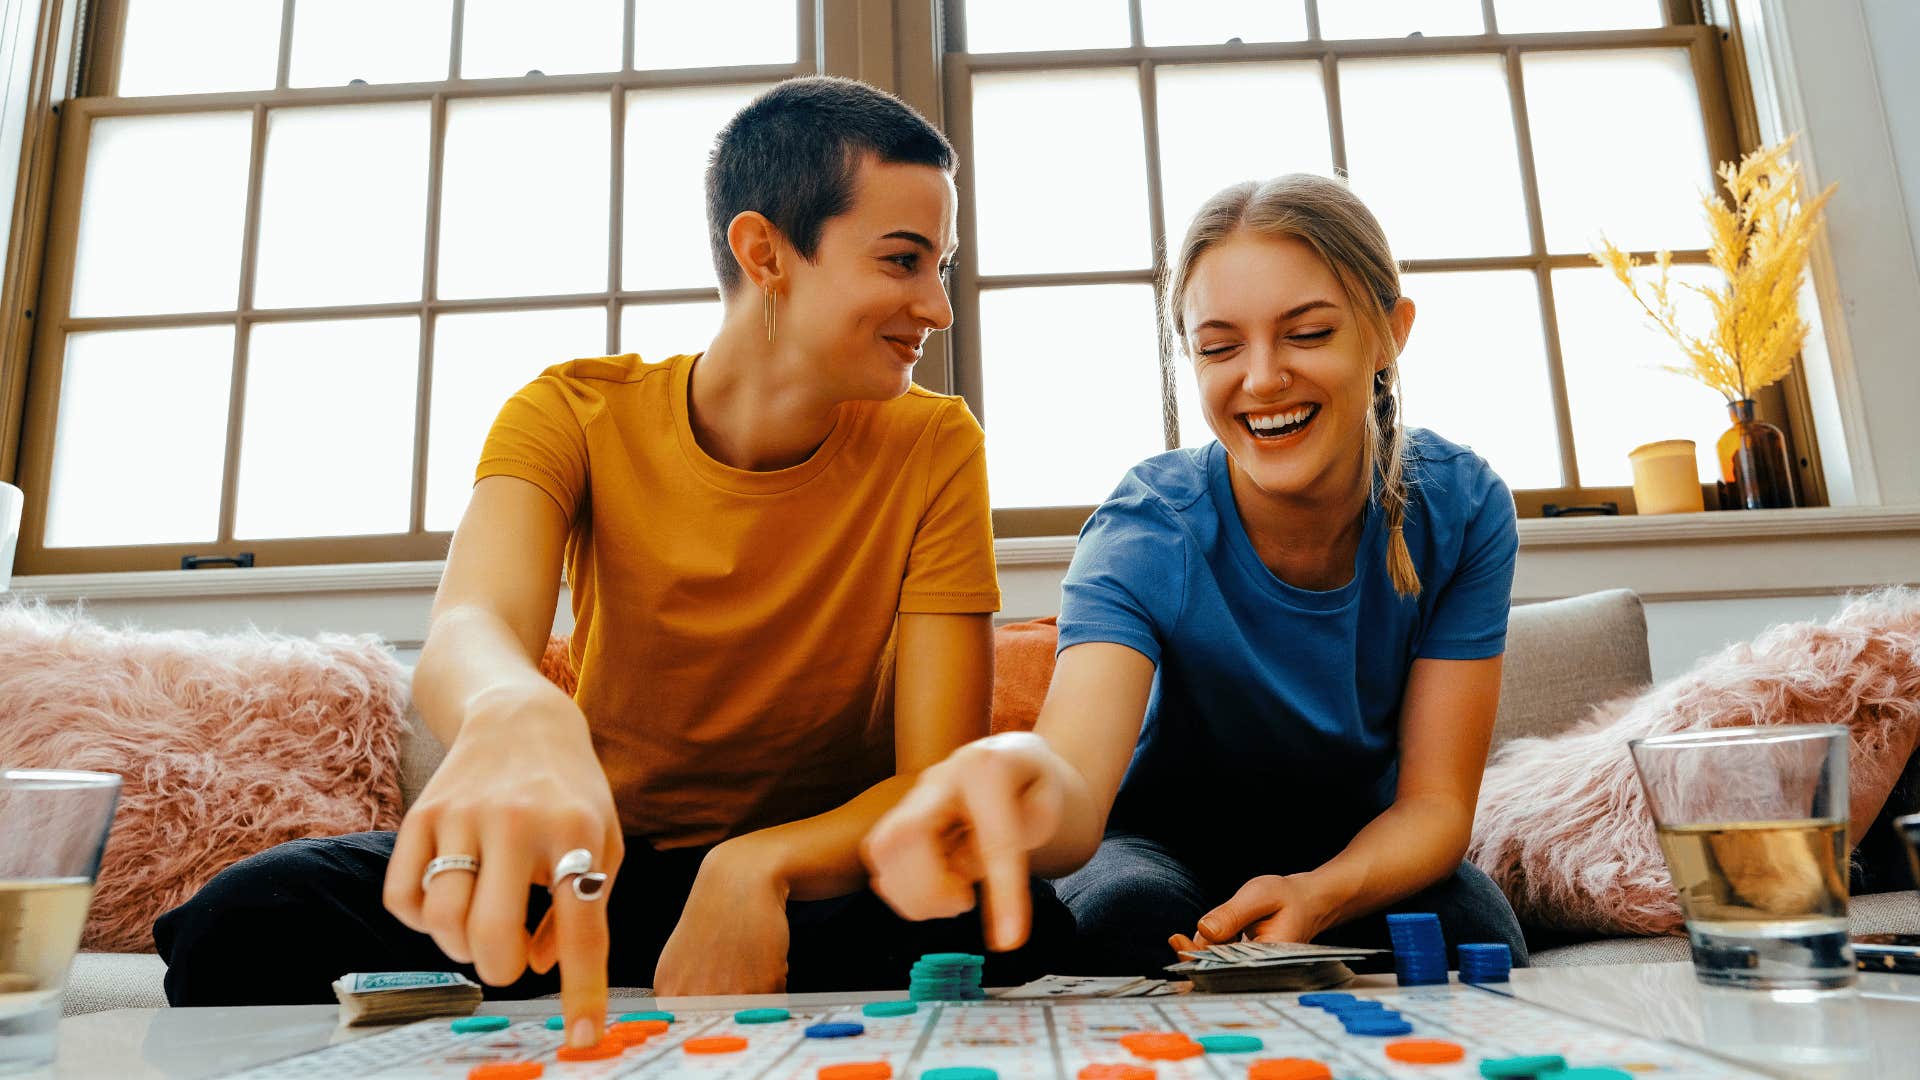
(301, 251)
(1495, 140)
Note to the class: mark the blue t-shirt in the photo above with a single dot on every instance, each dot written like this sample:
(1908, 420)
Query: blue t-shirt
(1272, 733)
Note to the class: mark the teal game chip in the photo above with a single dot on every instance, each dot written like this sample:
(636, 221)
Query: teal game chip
(891, 1008)
(654, 1014)
(1231, 1044)
(761, 1016)
(467, 1025)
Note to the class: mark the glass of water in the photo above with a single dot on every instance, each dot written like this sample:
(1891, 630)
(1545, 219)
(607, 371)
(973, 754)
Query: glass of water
(1753, 825)
(53, 828)
(1753, 822)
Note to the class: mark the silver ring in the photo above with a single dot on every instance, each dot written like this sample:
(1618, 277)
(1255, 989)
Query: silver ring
(587, 883)
(448, 862)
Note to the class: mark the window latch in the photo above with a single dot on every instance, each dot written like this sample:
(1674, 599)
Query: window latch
(197, 562)
(1605, 509)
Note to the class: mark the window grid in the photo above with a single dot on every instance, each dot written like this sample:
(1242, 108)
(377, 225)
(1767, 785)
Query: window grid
(417, 542)
(1684, 30)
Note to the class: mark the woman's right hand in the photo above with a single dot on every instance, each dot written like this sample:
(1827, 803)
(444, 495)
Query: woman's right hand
(974, 818)
(520, 786)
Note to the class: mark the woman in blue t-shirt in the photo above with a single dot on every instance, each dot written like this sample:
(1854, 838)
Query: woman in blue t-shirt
(1279, 653)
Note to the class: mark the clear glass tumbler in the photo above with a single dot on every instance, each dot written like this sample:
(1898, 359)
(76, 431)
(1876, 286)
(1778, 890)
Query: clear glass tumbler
(53, 828)
(1753, 822)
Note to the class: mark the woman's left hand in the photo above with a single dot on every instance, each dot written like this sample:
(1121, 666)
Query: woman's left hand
(1296, 907)
(732, 936)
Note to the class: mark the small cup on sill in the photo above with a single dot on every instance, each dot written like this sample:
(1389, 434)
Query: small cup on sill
(1666, 478)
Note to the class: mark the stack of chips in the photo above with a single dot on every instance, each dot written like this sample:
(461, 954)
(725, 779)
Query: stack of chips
(947, 977)
(1419, 952)
(1485, 963)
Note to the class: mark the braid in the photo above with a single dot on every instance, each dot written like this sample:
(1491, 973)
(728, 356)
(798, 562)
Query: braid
(1385, 431)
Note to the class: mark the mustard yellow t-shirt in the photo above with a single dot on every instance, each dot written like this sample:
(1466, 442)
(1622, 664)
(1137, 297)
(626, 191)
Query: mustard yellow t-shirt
(730, 626)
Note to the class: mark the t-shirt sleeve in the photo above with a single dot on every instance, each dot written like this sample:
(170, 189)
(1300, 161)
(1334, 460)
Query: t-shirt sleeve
(950, 568)
(538, 438)
(1470, 611)
(1128, 578)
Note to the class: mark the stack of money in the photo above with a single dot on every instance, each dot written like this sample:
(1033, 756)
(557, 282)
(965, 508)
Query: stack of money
(398, 997)
(1242, 966)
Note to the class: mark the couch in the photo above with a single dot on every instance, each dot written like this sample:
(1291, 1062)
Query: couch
(1562, 658)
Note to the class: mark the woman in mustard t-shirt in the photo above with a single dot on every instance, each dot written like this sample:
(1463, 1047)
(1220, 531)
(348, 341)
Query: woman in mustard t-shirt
(780, 555)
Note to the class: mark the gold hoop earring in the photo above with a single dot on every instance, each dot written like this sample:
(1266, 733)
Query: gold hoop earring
(767, 310)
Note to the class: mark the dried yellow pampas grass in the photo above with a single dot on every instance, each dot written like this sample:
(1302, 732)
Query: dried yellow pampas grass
(1759, 243)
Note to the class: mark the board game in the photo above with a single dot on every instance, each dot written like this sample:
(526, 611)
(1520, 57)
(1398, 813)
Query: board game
(1456, 1031)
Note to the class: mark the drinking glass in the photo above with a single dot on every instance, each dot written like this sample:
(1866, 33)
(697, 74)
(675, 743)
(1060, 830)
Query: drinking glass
(1753, 822)
(53, 828)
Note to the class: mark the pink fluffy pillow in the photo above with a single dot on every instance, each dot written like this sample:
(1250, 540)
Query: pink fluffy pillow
(225, 745)
(1562, 823)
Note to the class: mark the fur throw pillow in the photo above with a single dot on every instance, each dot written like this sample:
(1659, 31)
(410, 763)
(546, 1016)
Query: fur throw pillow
(225, 745)
(1563, 825)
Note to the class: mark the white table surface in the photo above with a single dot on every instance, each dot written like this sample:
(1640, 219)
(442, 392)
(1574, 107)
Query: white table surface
(1872, 1031)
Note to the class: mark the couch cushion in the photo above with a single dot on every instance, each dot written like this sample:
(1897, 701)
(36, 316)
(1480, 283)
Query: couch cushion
(101, 981)
(1566, 656)
(226, 745)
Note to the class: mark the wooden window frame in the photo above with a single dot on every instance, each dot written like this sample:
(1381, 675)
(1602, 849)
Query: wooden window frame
(830, 38)
(1727, 116)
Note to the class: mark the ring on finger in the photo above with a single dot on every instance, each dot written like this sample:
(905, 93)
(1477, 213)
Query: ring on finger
(577, 865)
(442, 863)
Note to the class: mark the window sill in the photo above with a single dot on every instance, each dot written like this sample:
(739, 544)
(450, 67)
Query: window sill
(1673, 556)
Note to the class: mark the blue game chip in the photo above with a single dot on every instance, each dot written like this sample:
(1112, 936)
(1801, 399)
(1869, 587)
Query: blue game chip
(1323, 999)
(835, 1031)
(1379, 1027)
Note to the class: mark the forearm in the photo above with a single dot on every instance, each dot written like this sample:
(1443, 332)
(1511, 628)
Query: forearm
(817, 857)
(1413, 844)
(1083, 821)
(472, 664)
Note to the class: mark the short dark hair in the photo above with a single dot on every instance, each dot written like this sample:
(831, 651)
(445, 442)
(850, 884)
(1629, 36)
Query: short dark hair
(792, 154)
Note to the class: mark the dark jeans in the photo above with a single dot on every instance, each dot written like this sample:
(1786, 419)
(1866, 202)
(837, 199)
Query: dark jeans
(1134, 893)
(278, 928)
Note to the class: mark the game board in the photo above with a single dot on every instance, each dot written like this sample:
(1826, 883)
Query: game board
(1044, 1040)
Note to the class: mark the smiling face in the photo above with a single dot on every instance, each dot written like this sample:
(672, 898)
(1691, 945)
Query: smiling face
(862, 308)
(1284, 364)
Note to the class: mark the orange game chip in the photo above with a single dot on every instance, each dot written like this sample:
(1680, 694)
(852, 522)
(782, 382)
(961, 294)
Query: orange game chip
(644, 1027)
(715, 1044)
(1425, 1051)
(506, 1070)
(1155, 1038)
(1178, 1048)
(1116, 1071)
(630, 1033)
(609, 1046)
(857, 1070)
(1289, 1069)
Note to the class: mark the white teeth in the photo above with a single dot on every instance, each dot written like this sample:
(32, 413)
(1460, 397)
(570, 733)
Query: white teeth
(1286, 419)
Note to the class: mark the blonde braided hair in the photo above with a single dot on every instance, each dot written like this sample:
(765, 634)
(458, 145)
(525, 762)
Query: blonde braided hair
(1325, 214)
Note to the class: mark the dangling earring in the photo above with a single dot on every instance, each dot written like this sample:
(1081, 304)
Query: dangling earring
(767, 310)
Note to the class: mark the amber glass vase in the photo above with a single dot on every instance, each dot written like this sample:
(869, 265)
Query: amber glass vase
(1755, 471)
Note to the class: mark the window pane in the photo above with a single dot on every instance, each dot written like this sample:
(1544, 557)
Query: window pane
(345, 385)
(1023, 26)
(161, 214)
(374, 41)
(1399, 18)
(524, 210)
(1411, 127)
(1098, 393)
(1203, 137)
(1044, 141)
(199, 46)
(1619, 147)
(343, 205)
(1551, 16)
(479, 361)
(1619, 395)
(672, 34)
(506, 38)
(657, 331)
(141, 440)
(1217, 22)
(664, 220)
(1475, 371)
